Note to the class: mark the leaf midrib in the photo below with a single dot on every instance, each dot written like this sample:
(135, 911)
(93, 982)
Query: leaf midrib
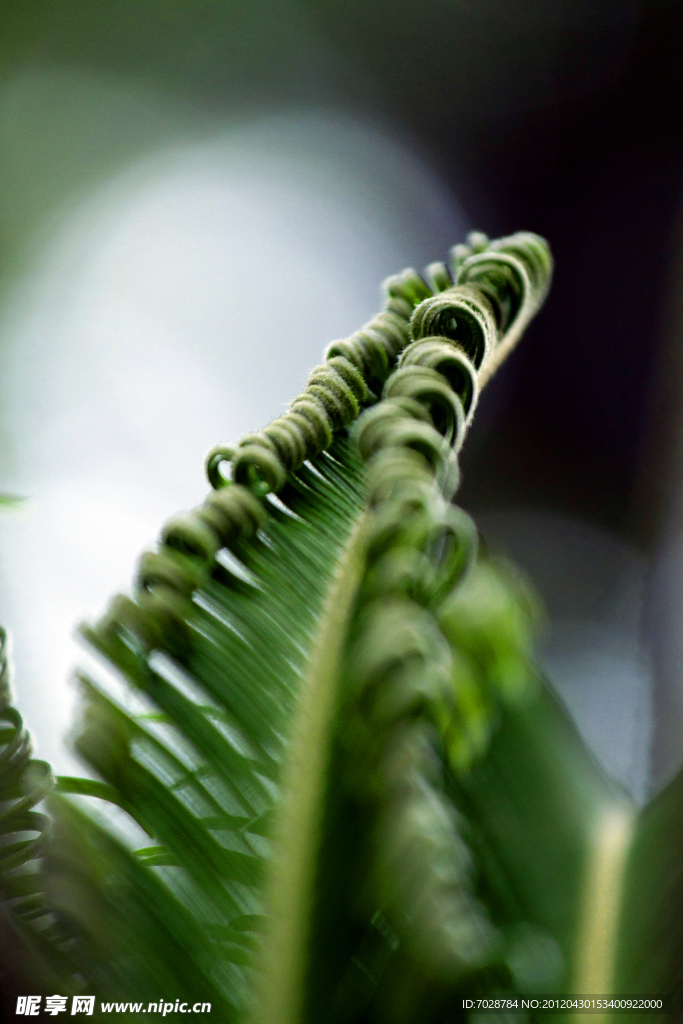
(297, 838)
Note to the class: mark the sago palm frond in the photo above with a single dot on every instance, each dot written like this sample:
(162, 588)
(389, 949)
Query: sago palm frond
(358, 800)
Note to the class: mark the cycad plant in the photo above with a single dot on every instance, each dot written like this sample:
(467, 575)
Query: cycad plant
(328, 783)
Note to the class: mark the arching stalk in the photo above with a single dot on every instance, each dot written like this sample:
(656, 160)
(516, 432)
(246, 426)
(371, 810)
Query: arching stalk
(289, 897)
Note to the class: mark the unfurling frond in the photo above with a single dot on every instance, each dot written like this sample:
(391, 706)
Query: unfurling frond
(327, 795)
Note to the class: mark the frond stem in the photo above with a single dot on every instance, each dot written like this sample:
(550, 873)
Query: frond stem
(297, 837)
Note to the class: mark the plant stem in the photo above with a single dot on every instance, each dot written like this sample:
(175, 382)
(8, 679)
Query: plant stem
(297, 834)
(603, 892)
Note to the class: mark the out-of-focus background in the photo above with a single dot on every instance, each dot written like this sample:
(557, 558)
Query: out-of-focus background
(198, 196)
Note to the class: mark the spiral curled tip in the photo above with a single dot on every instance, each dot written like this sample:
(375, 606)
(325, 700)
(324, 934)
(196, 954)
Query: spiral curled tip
(168, 569)
(452, 365)
(258, 467)
(478, 241)
(189, 536)
(397, 471)
(408, 286)
(419, 552)
(425, 441)
(438, 276)
(334, 395)
(221, 453)
(238, 513)
(313, 411)
(462, 315)
(398, 306)
(157, 620)
(398, 631)
(24, 782)
(456, 257)
(369, 429)
(534, 251)
(433, 392)
(461, 326)
(427, 353)
(402, 672)
(513, 273)
(287, 437)
(159, 615)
